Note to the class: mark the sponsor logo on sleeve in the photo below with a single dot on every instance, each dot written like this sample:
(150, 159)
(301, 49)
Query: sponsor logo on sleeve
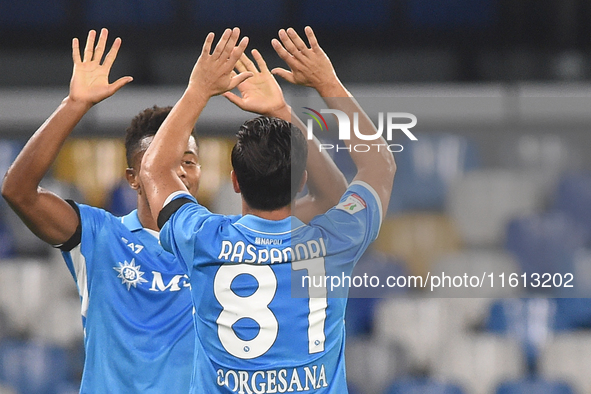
(352, 204)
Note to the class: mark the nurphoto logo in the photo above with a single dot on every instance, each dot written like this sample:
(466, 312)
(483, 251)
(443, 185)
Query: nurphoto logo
(344, 123)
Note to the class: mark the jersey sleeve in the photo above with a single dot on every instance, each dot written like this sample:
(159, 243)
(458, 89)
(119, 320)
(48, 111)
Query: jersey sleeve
(80, 249)
(354, 222)
(77, 236)
(91, 221)
(180, 220)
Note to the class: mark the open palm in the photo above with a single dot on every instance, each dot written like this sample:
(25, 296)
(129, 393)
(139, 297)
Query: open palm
(260, 93)
(90, 79)
(309, 65)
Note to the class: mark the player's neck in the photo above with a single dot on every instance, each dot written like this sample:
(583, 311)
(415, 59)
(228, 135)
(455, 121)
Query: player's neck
(144, 215)
(278, 214)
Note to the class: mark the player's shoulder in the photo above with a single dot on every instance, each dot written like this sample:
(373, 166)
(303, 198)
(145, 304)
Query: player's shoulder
(358, 212)
(99, 212)
(231, 218)
(361, 192)
(358, 197)
(94, 216)
(193, 211)
(223, 225)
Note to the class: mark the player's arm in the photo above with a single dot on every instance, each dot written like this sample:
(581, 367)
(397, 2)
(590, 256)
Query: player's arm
(310, 66)
(211, 75)
(261, 94)
(51, 218)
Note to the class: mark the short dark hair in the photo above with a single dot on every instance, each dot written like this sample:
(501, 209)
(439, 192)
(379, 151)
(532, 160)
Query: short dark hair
(145, 124)
(269, 160)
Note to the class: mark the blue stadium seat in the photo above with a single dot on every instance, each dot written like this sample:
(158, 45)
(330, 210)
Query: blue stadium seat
(529, 320)
(573, 196)
(121, 200)
(426, 168)
(359, 316)
(382, 265)
(9, 149)
(572, 314)
(534, 385)
(6, 240)
(33, 368)
(545, 243)
(423, 386)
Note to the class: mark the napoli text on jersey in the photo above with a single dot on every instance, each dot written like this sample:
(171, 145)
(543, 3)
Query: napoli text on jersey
(253, 335)
(136, 308)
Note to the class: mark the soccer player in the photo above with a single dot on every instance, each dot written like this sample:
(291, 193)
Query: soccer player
(253, 337)
(135, 301)
(136, 305)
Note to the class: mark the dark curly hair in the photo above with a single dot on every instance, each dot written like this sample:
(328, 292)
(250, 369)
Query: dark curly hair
(145, 124)
(269, 160)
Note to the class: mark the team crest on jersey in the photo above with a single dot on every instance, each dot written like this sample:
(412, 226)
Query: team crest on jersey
(130, 274)
(352, 204)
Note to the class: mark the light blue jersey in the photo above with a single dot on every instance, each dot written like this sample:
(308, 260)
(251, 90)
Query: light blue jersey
(136, 308)
(253, 335)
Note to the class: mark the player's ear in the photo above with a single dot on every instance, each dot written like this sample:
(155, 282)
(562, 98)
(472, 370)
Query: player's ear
(303, 181)
(132, 178)
(235, 184)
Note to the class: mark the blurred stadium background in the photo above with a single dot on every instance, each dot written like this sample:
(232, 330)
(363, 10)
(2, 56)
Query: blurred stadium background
(499, 178)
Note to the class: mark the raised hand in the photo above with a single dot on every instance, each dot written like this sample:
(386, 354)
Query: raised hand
(213, 73)
(260, 93)
(90, 79)
(309, 65)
